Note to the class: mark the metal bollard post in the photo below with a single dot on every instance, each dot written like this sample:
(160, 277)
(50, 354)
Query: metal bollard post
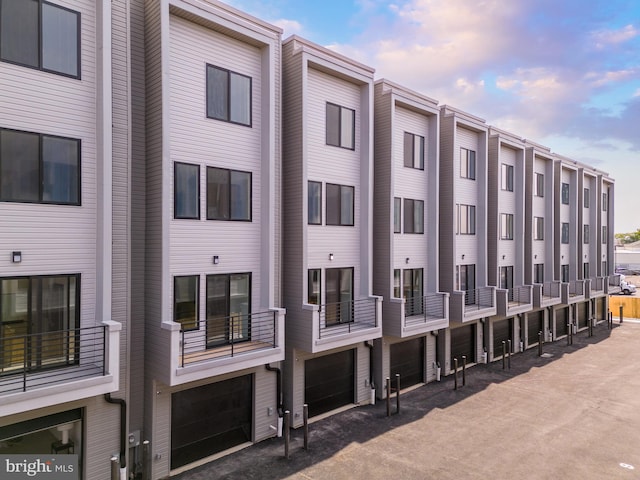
(397, 393)
(539, 344)
(621, 316)
(287, 432)
(146, 460)
(591, 327)
(568, 334)
(464, 370)
(509, 353)
(115, 468)
(504, 353)
(455, 373)
(388, 382)
(305, 420)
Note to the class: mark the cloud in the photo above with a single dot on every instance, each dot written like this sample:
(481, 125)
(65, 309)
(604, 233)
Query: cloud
(603, 38)
(290, 27)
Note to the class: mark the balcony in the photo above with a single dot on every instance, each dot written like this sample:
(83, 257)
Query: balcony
(220, 345)
(404, 318)
(573, 292)
(514, 300)
(596, 287)
(44, 369)
(614, 284)
(470, 305)
(546, 294)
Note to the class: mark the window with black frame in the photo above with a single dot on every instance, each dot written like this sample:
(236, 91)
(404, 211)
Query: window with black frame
(228, 96)
(413, 291)
(339, 296)
(340, 126)
(228, 308)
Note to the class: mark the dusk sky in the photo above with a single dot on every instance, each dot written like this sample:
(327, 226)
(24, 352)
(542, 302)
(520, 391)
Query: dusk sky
(562, 73)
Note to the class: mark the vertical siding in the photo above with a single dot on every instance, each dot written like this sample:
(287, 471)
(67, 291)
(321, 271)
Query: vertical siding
(447, 203)
(495, 208)
(468, 192)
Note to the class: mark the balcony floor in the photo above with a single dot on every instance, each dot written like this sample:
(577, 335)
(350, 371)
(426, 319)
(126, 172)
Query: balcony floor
(225, 351)
(17, 383)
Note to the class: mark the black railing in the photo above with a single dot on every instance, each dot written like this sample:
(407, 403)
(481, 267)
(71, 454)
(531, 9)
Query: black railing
(519, 295)
(346, 317)
(551, 289)
(576, 288)
(222, 337)
(478, 298)
(421, 309)
(42, 359)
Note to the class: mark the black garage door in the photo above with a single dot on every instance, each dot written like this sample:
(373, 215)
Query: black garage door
(601, 309)
(209, 419)
(329, 382)
(583, 314)
(502, 332)
(562, 318)
(535, 324)
(407, 359)
(463, 342)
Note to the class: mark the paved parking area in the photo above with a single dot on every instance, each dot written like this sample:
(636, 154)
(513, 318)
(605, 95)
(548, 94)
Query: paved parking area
(572, 414)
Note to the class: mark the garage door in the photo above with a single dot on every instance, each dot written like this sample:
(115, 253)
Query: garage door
(407, 359)
(535, 324)
(562, 318)
(209, 419)
(583, 314)
(502, 332)
(601, 308)
(329, 382)
(463, 342)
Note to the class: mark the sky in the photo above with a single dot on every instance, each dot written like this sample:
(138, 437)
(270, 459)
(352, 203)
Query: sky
(561, 73)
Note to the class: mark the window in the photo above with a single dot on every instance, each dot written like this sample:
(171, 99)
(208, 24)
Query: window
(466, 219)
(539, 185)
(228, 194)
(538, 273)
(186, 190)
(413, 151)
(313, 286)
(506, 278)
(37, 310)
(339, 204)
(564, 273)
(506, 226)
(585, 233)
(604, 234)
(412, 291)
(467, 164)
(396, 283)
(605, 202)
(185, 301)
(314, 194)
(228, 96)
(341, 126)
(507, 177)
(585, 202)
(228, 308)
(538, 228)
(397, 215)
(585, 269)
(466, 281)
(565, 194)
(564, 233)
(413, 216)
(37, 168)
(339, 291)
(40, 35)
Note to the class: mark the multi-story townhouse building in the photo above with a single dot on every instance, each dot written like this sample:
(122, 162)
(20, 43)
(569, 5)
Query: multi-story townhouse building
(506, 250)
(328, 207)
(212, 283)
(64, 218)
(405, 270)
(605, 250)
(464, 235)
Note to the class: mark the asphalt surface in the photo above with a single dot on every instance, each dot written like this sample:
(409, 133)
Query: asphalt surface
(573, 413)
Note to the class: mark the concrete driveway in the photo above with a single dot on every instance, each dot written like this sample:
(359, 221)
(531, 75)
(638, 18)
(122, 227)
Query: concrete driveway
(572, 414)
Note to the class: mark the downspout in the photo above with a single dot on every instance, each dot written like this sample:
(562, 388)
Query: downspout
(123, 427)
(370, 346)
(280, 406)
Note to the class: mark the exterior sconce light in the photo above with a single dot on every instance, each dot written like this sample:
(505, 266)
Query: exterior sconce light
(216, 259)
(406, 260)
(504, 256)
(463, 256)
(16, 257)
(331, 257)
(535, 256)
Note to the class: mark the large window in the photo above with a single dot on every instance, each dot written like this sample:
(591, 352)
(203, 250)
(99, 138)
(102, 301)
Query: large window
(339, 296)
(38, 318)
(585, 270)
(396, 282)
(413, 291)
(466, 281)
(564, 233)
(605, 202)
(228, 308)
(565, 194)
(564, 273)
(585, 233)
(41, 35)
(538, 228)
(539, 185)
(538, 273)
(466, 219)
(313, 286)
(604, 234)
(506, 278)
(506, 226)
(37, 168)
(397, 215)
(506, 177)
(228, 96)
(585, 202)
(185, 301)
(341, 126)
(228, 194)
(186, 190)
(339, 209)
(413, 216)
(314, 194)
(467, 164)
(413, 151)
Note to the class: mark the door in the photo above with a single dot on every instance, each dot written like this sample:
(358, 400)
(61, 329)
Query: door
(329, 382)
(506, 280)
(583, 314)
(502, 332)
(562, 318)
(339, 296)
(467, 283)
(535, 324)
(463, 342)
(407, 359)
(412, 291)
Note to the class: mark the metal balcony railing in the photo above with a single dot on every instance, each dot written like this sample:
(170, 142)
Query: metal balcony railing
(551, 289)
(597, 284)
(346, 317)
(478, 298)
(223, 337)
(519, 295)
(576, 288)
(614, 280)
(421, 309)
(42, 359)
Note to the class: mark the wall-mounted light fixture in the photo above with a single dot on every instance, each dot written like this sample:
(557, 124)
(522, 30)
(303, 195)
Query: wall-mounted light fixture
(406, 260)
(16, 257)
(463, 256)
(216, 259)
(331, 257)
(504, 256)
(535, 256)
